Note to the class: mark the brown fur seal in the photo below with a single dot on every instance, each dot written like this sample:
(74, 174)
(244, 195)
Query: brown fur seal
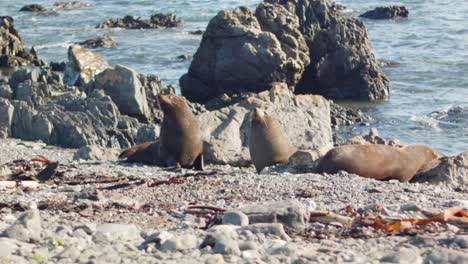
(180, 141)
(268, 143)
(380, 162)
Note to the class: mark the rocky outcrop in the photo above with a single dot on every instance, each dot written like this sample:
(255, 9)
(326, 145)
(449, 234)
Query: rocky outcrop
(12, 51)
(306, 119)
(341, 115)
(33, 8)
(448, 170)
(310, 45)
(386, 12)
(104, 41)
(156, 21)
(246, 51)
(343, 65)
(82, 66)
(124, 87)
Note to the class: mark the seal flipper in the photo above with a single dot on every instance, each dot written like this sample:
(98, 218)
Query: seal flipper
(199, 164)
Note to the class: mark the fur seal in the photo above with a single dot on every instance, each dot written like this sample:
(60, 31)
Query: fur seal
(268, 143)
(180, 140)
(380, 162)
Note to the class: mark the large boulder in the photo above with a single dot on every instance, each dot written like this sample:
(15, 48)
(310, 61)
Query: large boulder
(343, 65)
(123, 85)
(448, 170)
(82, 66)
(308, 44)
(306, 119)
(246, 51)
(102, 41)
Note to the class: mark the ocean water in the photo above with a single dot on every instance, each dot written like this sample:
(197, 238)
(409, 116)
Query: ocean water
(431, 46)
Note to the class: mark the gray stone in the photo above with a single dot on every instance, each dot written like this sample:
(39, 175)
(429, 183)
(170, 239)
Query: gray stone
(180, 243)
(27, 228)
(227, 246)
(7, 247)
(292, 214)
(119, 232)
(94, 152)
(448, 170)
(404, 256)
(443, 255)
(33, 8)
(242, 50)
(306, 160)
(226, 131)
(6, 117)
(461, 240)
(82, 66)
(21, 126)
(235, 218)
(123, 85)
(275, 229)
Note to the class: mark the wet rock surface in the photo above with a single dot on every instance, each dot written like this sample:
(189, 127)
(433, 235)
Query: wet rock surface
(33, 8)
(158, 20)
(387, 12)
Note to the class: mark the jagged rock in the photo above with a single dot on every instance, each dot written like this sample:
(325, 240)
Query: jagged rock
(71, 5)
(455, 116)
(346, 116)
(306, 119)
(58, 66)
(82, 66)
(6, 117)
(156, 21)
(21, 126)
(343, 65)
(246, 51)
(12, 51)
(103, 41)
(33, 8)
(372, 138)
(94, 152)
(292, 214)
(147, 133)
(5, 91)
(123, 85)
(386, 12)
(448, 170)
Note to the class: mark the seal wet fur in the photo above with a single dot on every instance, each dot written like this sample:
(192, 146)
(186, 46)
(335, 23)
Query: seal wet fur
(180, 140)
(268, 143)
(380, 162)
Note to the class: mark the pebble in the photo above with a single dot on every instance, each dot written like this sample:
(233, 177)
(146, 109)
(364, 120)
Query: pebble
(404, 256)
(179, 243)
(235, 218)
(227, 246)
(27, 228)
(268, 229)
